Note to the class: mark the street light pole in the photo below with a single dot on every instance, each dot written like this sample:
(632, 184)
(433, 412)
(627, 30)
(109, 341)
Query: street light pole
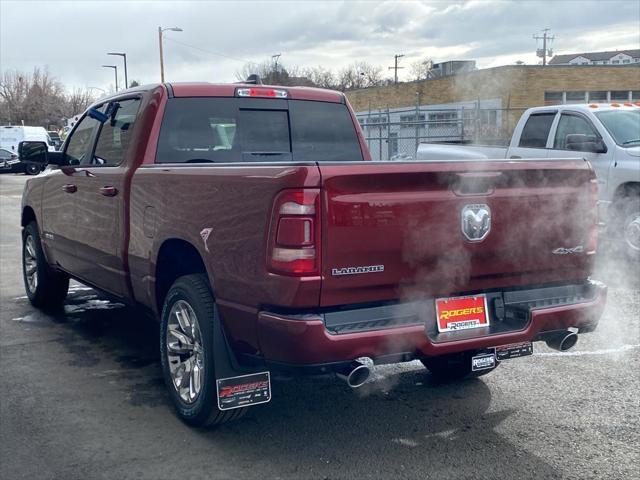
(160, 30)
(124, 56)
(115, 68)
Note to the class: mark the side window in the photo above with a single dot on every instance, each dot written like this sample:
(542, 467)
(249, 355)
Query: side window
(536, 130)
(115, 135)
(79, 143)
(569, 125)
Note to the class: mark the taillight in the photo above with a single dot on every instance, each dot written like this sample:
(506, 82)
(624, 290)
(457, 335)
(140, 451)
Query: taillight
(294, 238)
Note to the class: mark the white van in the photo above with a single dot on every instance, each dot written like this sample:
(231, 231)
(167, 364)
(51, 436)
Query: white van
(11, 136)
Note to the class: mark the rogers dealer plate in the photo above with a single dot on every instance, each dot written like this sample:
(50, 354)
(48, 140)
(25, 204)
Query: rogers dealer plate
(462, 313)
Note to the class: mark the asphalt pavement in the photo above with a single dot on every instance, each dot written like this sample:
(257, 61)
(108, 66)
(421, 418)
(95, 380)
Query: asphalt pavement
(82, 397)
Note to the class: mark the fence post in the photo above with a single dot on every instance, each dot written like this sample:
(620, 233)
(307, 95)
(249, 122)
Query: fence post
(477, 135)
(388, 134)
(417, 120)
(380, 134)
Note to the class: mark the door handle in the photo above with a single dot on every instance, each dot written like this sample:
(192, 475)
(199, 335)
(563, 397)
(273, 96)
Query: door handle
(515, 157)
(69, 188)
(109, 191)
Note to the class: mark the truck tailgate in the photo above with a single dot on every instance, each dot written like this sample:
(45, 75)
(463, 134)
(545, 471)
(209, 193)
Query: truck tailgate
(396, 231)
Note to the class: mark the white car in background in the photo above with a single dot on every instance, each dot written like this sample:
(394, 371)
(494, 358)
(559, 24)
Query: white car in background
(12, 135)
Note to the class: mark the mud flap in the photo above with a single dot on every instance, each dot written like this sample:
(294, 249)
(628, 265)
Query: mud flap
(236, 386)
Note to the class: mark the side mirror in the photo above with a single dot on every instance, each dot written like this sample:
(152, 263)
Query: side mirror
(38, 153)
(585, 143)
(33, 152)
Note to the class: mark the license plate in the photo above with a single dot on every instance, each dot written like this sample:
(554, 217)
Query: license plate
(514, 350)
(461, 313)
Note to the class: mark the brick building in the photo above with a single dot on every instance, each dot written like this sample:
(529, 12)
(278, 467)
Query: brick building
(482, 104)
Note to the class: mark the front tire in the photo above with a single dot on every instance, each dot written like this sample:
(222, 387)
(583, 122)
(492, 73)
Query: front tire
(46, 288)
(186, 350)
(32, 169)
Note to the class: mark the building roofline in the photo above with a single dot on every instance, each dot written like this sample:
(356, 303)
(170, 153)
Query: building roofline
(500, 67)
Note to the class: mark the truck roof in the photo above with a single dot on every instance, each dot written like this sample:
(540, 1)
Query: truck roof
(589, 107)
(206, 89)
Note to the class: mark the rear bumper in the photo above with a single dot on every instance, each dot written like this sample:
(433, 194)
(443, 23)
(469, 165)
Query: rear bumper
(305, 340)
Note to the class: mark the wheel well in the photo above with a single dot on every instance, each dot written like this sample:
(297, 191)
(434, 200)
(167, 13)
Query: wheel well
(28, 216)
(628, 189)
(175, 259)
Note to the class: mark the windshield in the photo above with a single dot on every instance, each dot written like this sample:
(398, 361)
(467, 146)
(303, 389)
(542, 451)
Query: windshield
(623, 125)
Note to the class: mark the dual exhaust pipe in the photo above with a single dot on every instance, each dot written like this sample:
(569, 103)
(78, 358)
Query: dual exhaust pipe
(359, 371)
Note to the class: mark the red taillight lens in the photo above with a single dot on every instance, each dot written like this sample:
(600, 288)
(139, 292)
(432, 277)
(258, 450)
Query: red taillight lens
(294, 239)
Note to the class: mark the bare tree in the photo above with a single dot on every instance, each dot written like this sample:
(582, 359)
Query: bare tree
(320, 77)
(418, 70)
(360, 75)
(37, 98)
(77, 101)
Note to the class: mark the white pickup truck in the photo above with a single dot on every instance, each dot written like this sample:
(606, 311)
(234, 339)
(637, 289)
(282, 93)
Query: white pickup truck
(607, 135)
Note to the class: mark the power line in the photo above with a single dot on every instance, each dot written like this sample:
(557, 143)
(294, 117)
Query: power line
(209, 51)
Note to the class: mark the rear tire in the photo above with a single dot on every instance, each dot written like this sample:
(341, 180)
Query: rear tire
(626, 226)
(453, 367)
(46, 288)
(187, 355)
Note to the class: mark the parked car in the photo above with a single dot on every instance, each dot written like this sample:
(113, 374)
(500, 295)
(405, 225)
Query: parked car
(10, 163)
(607, 135)
(282, 248)
(55, 139)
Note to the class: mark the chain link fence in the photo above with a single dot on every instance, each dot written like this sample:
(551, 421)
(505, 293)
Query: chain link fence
(394, 134)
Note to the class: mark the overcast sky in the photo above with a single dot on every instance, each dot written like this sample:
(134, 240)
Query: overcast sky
(72, 37)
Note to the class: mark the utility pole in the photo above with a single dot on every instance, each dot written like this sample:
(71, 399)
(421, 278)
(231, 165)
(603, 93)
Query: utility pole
(160, 30)
(275, 59)
(544, 51)
(276, 76)
(395, 68)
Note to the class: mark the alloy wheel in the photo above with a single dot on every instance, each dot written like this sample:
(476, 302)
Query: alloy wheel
(632, 231)
(185, 352)
(30, 264)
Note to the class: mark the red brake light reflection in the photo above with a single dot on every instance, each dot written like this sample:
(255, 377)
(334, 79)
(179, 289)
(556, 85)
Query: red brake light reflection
(261, 92)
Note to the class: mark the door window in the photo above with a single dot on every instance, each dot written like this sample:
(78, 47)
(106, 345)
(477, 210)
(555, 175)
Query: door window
(79, 143)
(569, 125)
(536, 130)
(115, 135)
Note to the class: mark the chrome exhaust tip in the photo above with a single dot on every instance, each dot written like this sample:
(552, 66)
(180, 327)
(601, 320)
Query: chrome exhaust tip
(562, 340)
(356, 375)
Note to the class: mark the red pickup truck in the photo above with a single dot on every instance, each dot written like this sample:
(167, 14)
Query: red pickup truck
(250, 220)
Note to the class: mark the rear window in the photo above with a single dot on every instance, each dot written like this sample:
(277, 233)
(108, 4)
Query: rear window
(220, 130)
(536, 130)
